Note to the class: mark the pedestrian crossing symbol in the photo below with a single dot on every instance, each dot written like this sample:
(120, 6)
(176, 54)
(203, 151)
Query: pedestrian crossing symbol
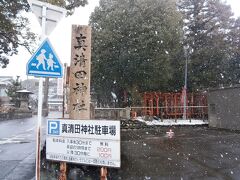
(44, 62)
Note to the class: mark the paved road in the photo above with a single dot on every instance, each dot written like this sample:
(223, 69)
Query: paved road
(193, 153)
(17, 147)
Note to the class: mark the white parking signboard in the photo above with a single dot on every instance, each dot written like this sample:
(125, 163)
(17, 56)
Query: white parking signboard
(92, 142)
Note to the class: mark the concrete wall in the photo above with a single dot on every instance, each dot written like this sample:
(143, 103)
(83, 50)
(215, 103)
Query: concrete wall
(224, 108)
(111, 113)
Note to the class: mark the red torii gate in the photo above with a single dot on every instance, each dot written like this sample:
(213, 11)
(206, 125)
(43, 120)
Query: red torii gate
(170, 105)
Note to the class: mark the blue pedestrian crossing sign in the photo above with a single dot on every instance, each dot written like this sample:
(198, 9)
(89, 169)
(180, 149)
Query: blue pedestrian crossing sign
(44, 62)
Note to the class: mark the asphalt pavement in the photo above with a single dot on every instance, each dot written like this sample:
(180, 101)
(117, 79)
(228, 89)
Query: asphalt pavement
(17, 149)
(146, 153)
(191, 153)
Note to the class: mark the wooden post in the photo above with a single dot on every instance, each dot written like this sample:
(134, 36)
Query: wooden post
(80, 73)
(103, 173)
(80, 70)
(63, 165)
(63, 169)
(79, 78)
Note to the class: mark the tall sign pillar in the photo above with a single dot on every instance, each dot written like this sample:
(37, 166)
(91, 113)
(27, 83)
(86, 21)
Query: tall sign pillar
(80, 72)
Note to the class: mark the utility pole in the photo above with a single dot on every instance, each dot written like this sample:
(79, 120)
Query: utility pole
(185, 84)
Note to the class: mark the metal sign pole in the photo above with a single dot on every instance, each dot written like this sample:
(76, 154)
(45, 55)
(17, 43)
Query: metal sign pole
(38, 142)
(185, 86)
(40, 96)
(44, 11)
(63, 165)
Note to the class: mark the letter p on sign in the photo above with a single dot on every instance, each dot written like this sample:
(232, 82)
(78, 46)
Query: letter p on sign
(53, 127)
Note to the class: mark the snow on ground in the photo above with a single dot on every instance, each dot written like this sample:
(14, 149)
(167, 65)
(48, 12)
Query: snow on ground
(173, 122)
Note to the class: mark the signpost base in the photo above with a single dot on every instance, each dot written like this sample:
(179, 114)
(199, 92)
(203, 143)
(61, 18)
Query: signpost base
(63, 169)
(103, 173)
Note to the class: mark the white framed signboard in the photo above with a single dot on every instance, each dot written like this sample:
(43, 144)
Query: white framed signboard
(91, 142)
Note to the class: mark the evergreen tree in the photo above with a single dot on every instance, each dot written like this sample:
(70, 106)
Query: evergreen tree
(14, 31)
(233, 71)
(12, 89)
(207, 26)
(136, 47)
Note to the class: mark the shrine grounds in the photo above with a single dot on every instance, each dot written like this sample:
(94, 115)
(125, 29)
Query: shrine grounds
(195, 152)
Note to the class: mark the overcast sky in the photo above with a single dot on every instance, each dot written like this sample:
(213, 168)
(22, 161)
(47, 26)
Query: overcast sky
(60, 38)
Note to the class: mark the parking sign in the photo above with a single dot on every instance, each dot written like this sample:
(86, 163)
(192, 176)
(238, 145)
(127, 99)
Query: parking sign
(53, 127)
(91, 142)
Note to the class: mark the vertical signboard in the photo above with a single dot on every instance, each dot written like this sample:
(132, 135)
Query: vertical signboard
(80, 72)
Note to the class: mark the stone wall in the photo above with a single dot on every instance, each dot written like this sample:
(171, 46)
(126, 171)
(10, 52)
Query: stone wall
(16, 114)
